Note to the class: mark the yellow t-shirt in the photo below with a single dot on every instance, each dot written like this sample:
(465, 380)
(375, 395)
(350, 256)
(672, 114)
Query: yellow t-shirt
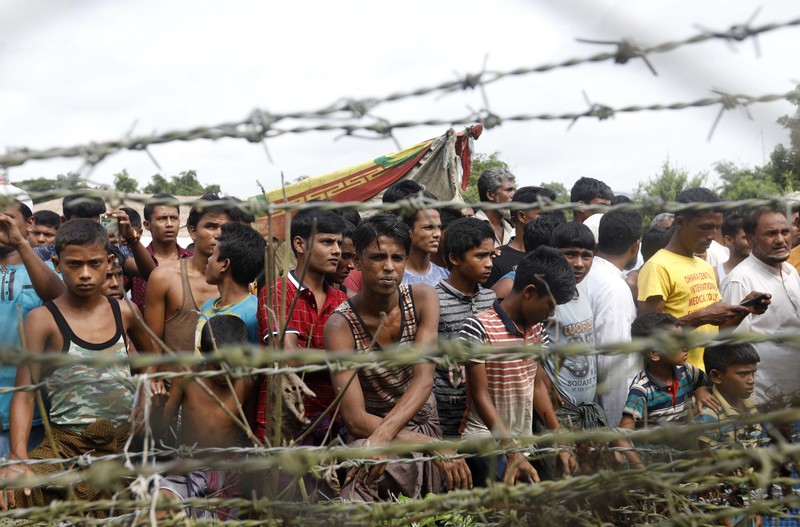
(687, 284)
(794, 258)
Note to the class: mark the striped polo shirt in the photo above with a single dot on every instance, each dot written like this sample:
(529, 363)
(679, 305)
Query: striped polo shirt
(450, 383)
(651, 402)
(510, 381)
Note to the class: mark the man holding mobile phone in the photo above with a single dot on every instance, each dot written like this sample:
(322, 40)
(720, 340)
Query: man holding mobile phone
(766, 269)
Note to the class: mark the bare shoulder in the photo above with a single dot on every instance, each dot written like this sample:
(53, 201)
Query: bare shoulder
(424, 295)
(337, 334)
(41, 317)
(130, 312)
(164, 274)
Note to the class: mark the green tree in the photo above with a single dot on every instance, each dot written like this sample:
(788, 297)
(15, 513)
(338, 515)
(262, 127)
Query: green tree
(480, 162)
(184, 184)
(562, 194)
(668, 183)
(125, 183)
(739, 183)
(68, 181)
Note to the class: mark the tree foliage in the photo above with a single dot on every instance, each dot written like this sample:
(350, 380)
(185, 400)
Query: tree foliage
(481, 162)
(68, 181)
(184, 184)
(125, 183)
(670, 181)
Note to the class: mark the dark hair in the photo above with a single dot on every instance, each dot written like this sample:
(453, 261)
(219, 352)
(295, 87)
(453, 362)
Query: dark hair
(48, 218)
(401, 190)
(618, 230)
(82, 205)
(244, 247)
(548, 265)
(531, 195)
(619, 199)
(411, 215)
(463, 235)
(731, 224)
(750, 221)
(586, 189)
(448, 216)
(238, 211)
(349, 214)
(133, 216)
(224, 330)
(654, 239)
(572, 234)
(696, 195)
(210, 203)
(383, 224)
(648, 323)
(116, 252)
(318, 221)
(80, 231)
(722, 356)
(539, 231)
(349, 229)
(492, 179)
(160, 199)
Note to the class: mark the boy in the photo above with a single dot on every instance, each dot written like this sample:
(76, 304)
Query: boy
(90, 405)
(501, 392)
(384, 404)
(426, 232)
(575, 376)
(346, 260)
(732, 369)
(204, 423)
(317, 257)
(661, 393)
(735, 239)
(469, 246)
(236, 261)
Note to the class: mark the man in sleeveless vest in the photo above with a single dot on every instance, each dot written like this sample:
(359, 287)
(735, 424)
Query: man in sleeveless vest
(177, 289)
(397, 403)
(90, 405)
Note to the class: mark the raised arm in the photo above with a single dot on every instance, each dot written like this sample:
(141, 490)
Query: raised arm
(45, 281)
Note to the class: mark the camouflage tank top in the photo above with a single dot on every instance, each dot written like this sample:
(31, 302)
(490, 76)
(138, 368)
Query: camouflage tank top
(80, 394)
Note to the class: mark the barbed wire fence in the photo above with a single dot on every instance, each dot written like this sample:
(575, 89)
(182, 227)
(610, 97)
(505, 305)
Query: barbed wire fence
(691, 488)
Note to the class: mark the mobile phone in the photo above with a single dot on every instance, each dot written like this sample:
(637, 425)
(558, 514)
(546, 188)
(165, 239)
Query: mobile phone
(755, 300)
(111, 225)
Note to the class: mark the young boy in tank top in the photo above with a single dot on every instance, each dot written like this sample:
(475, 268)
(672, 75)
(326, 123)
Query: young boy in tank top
(91, 406)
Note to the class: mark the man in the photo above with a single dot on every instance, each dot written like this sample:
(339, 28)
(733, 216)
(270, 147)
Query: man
(513, 251)
(613, 307)
(162, 218)
(27, 282)
(769, 237)
(469, 246)
(177, 288)
(589, 191)
(735, 240)
(677, 282)
(397, 403)
(303, 309)
(496, 185)
(45, 226)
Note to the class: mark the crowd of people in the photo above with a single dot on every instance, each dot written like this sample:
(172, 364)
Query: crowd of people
(493, 279)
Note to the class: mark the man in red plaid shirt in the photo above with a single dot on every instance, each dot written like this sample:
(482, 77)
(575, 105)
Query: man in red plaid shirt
(317, 256)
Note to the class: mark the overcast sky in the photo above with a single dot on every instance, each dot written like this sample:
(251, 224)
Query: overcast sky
(79, 71)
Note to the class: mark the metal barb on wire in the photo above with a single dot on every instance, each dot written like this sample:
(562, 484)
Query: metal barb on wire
(627, 49)
(737, 33)
(601, 111)
(729, 101)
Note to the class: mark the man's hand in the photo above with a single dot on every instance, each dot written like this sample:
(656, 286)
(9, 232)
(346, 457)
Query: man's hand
(12, 472)
(519, 469)
(704, 398)
(760, 307)
(718, 314)
(9, 231)
(569, 465)
(456, 472)
(367, 475)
